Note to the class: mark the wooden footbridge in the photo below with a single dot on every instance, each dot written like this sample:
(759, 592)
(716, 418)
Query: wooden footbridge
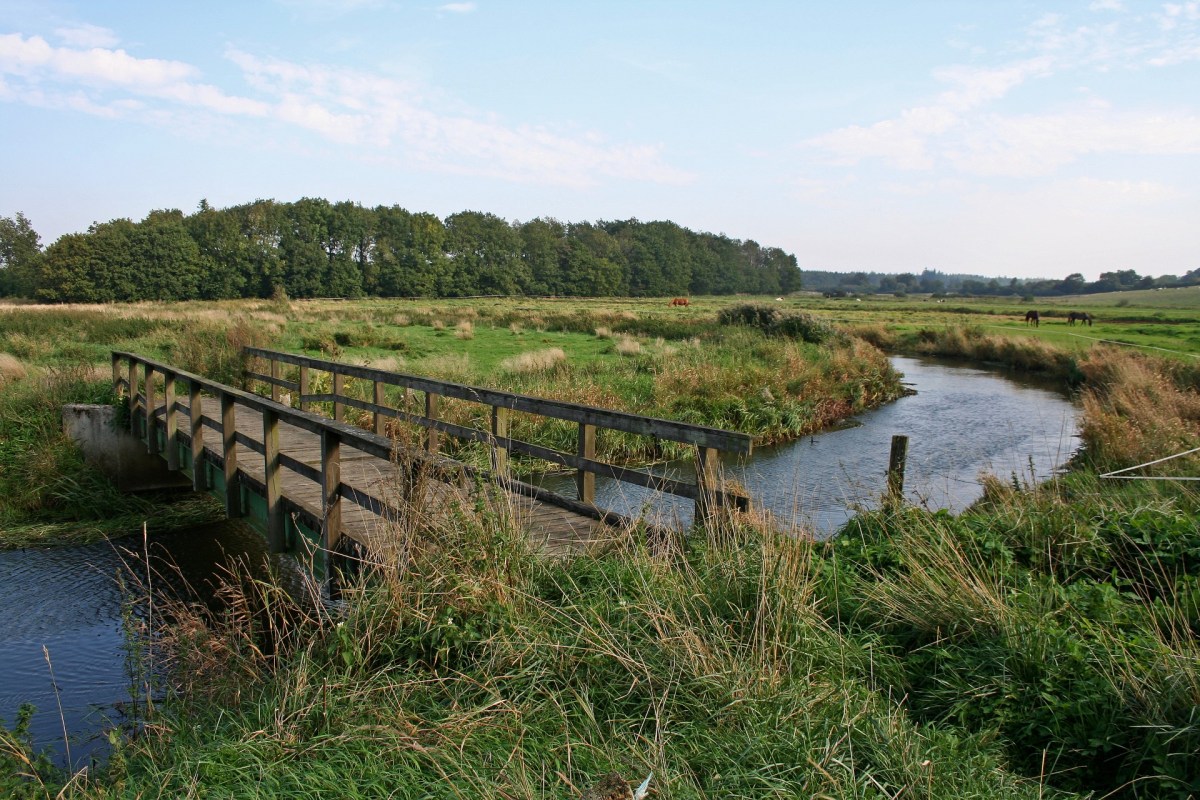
(319, 486)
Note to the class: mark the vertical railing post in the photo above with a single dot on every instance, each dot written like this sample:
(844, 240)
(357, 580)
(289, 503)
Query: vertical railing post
(380, 419)
(151, 445)
(229, 448)
(706, 484)
(172, 421)
(499, 451)
(339, 389)
(304, 387)
(431, 413)
(585, 479)
(331, 493)
(276, 533)
(275, 388)
(196, 431)
(132, 395)
(116, 373)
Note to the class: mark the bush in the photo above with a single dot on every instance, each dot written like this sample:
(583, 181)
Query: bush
(774, 322)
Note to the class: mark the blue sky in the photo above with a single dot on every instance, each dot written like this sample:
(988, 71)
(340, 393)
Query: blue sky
(998, 138)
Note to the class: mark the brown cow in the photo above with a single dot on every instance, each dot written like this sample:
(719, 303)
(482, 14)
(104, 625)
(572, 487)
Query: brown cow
(679, 301)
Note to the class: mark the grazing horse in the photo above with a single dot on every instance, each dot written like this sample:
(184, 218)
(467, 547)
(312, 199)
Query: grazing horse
(679, 301)
(1081, 316)
(1032, 317)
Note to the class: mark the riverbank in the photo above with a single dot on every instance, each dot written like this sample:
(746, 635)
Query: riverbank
(1041, 644)
(779, 379)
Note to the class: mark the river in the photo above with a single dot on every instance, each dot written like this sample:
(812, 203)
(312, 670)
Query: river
(962, 421)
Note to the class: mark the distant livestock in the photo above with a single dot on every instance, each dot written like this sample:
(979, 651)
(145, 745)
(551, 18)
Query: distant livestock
(679, 301)
(1080, 316)
(1031, 318)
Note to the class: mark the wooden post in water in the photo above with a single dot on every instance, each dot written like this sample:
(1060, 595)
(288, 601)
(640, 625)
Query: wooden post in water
(276, 530)
(895, 474)
(233, 491)
(172, 421)
(585, 480)
(196, 430)
(706, 484)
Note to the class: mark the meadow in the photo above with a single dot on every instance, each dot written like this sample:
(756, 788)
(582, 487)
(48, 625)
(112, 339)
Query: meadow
(1042, 644)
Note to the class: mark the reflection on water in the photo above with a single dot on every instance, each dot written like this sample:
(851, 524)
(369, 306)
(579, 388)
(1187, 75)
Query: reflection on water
(69, 601)
(961, 423)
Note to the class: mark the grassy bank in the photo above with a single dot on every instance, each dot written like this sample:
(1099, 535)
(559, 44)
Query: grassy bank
(1042, 644)
(638, 356)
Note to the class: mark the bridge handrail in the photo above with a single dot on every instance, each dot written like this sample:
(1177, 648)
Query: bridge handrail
(671, 430)
(708, 441)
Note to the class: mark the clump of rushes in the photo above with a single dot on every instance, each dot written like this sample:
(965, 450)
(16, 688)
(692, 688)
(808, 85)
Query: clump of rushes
(536, 361)
(11, 369)
(628, 346)
(464, 330)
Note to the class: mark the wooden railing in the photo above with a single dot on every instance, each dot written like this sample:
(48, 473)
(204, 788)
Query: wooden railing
(708, 442)
(177, 432)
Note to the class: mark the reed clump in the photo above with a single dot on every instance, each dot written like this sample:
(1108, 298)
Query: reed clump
(535, 361)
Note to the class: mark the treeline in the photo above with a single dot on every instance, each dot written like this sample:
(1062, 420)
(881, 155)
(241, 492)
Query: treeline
(931, 281)
(315, 248)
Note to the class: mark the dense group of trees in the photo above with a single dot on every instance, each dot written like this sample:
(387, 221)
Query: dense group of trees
(931, 281)
(315, 248)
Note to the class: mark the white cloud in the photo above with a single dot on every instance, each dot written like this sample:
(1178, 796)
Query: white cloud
(457, 8)
(381, 119)
(1107, 5)
(86, 35)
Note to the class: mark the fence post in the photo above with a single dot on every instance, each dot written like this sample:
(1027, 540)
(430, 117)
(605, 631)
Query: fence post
(499, 431)
(706, 484)
(151, 445)
(585, 480)
(275, 380)
(897, 460)
(116, 373)
(276, 532)
(304, 387)
(132, 395)
(233, 491)
(172, 421)
(339, 388)
(380, 419)
(431, 413)
(196, 429)
(331, 493)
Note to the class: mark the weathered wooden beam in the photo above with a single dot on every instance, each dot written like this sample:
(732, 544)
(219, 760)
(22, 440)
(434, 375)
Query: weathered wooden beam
(380, 420)
(151, 445)
(585, 480)
(196, 431)
(275, 365)
(431, 413)
(339, 391)
(229, 454)
(133, 393)
(172, 421)
(499, 435)
(273, 482)
(706, 484)
(331, 491)
(304, 387)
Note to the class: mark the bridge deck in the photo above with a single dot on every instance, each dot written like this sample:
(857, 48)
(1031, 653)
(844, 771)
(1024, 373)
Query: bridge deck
(553, 529)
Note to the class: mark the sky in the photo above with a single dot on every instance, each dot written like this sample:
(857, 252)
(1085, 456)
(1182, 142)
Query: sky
(999, 138)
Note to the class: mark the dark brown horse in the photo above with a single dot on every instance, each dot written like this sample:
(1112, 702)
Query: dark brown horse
(1031, 317)
(1079, 316)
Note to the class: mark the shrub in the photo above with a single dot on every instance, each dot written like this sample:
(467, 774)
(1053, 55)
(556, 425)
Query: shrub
(775, 322)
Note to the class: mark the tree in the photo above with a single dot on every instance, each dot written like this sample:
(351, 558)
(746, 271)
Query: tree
(225, 265)
(20, 250)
